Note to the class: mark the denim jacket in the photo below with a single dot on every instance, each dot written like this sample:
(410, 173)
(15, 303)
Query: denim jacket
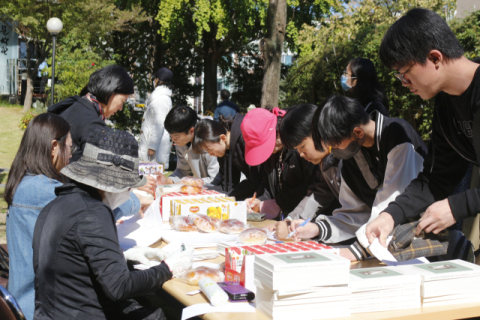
(32, 194)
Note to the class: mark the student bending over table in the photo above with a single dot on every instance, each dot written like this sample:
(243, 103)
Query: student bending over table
(80, 269)
(180, 123)
(380, 156)
(322, 193)
(224, 139)
(285, 175)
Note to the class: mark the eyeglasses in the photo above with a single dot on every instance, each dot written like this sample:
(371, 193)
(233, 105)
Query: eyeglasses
(401, 76)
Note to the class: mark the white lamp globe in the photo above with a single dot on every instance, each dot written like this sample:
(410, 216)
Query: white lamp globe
(54, 25)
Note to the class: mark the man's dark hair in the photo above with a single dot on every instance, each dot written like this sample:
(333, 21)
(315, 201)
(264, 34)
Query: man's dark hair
(107, 81)
(367, 88)
(295, 126)
(335, 120)
(225, 94)
(180, 119)
(413, 36)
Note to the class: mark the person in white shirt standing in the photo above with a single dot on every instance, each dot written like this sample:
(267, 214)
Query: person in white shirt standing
(155, 142)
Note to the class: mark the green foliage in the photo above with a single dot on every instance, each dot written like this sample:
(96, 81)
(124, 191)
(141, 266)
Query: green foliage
(75, 62)
(27, 117)
(356, 30)
(128, 119)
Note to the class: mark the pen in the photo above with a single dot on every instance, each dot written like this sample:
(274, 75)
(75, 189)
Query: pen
(293, 232)
(253, 199)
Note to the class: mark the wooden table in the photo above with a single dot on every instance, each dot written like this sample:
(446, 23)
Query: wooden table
(179, 289)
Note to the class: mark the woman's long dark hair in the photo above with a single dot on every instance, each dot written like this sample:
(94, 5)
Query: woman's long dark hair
(368, 88)
(207, 130)
(107, 81)
(35, 153)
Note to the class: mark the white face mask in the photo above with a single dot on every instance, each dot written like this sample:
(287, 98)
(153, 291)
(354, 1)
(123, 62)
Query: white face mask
(115, 199)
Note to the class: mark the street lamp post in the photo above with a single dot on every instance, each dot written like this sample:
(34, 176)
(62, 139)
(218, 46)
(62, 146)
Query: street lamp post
(54, 26)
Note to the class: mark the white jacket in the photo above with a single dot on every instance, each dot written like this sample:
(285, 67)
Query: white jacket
(153, 134)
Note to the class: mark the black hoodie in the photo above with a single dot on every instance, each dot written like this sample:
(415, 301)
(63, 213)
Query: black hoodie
(233, 164)
(81, 114)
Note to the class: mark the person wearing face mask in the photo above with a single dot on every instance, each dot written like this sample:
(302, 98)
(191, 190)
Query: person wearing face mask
(79, 266)
(224, 139)
(104, 95)
(155, 142)
(33, 177)
(285, 175)
(360, 79)
(380, 156)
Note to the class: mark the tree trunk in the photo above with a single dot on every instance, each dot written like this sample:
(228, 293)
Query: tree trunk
(272, 49)
(27, 103)
(210, 70)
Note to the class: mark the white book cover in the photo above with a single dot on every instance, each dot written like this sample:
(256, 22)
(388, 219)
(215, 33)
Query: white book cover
(450, 286)
(378, 278)
(385, 307)
(291, 276)
(398, 293)
(317, 281)
(310, 290)
(268, 298)
(300, 261)
(449, 297)
(451, 269)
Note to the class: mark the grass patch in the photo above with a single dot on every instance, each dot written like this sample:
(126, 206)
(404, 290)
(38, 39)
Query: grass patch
(10, 134)
(3, 203)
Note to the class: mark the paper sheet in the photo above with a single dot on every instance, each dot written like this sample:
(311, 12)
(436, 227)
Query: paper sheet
(198, 239)
(135, 231)
(203, 308)
(382, 253)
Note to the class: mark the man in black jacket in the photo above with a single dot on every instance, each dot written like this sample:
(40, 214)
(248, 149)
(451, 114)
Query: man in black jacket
(429, 60)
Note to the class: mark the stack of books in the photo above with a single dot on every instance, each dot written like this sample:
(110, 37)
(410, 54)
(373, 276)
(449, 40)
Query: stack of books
(302, 285)
(448, 282)
(384, 288)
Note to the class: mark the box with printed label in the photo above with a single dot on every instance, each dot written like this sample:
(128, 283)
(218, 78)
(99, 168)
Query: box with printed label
(147, 169)
(220, 207)
(167, 200)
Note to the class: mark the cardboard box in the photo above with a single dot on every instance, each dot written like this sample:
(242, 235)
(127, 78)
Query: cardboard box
(147, 169)
(167, 200)
(239, 261)
(220, 207)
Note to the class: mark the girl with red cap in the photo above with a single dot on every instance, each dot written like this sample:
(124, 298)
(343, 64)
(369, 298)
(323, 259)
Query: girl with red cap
(285, 175)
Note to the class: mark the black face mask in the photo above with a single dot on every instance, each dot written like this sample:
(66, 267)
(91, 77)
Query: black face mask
(348, 152)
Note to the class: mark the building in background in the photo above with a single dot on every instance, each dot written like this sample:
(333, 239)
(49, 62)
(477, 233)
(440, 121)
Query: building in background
(465, 7)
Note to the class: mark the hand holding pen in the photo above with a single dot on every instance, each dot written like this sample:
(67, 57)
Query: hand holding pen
(302, 229)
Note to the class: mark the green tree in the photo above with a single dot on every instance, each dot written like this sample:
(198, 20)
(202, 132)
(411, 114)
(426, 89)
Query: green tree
(87, 19)
(356, 31)
(144, 51)
(223, 28)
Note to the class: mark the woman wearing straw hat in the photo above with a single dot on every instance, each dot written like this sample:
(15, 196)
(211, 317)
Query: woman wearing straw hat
(80, 269)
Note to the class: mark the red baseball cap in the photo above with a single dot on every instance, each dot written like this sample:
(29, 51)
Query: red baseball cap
(259, 132)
